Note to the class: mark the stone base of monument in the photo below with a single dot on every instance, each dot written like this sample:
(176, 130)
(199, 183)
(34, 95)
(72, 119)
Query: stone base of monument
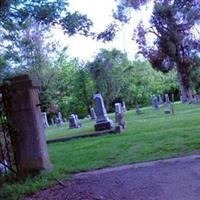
(108, 125)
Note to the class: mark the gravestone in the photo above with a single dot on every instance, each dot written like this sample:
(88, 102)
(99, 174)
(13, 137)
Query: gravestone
(154, 101)
(24, 113)
(102, 120)
(44, 120)
(124, 106)
(167, 99)
(73, 123)
(137, 109)
(169, 106)
(59, 119)
(118, 109)
(120, 122)
(92, 114)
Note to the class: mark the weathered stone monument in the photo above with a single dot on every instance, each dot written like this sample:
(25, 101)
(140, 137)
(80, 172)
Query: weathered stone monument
(167, 101)
(59, 120)
(44, 120)
(120, 123)
(118, 109)
(23, 112)
(168, 108)
(137, 109)
(102, 120)
(154, 101)
(119, 118)
(124, 106)
(73, 123)
(169, 105)
(92, 114)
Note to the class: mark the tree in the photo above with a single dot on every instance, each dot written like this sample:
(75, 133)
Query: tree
(23, 26)
(176, 43)
(119, 79)
(107, 72)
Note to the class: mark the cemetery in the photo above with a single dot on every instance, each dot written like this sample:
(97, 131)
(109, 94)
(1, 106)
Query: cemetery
(135, 144)
(100, 104)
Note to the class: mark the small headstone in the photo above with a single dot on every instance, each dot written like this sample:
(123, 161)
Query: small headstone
(92, 114)
(168, 108)
(102, 120)
(44, 120)
(154, 101)
(137, 109)
(118, 109)
(124, 107)
(59, 119)
(73, 123)
(167, 98)
(120, 123)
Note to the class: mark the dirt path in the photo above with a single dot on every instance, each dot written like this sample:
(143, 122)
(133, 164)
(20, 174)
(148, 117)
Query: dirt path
(172, 179)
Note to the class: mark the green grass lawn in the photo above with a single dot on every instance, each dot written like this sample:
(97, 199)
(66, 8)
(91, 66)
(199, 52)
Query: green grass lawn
(149, 136)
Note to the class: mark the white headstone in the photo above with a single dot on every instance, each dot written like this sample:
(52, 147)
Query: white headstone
(44, 120)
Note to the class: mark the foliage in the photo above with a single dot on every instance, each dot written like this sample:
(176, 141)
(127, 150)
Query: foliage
(175, 45)
(107, 72)
(119, 79)
(24, 27)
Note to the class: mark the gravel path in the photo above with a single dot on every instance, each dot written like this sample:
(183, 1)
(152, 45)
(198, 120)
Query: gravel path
(171, 179)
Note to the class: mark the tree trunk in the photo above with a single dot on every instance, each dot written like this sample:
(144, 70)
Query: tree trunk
(183, 77)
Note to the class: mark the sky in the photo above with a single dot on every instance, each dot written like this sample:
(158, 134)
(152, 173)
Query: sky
(100, 12)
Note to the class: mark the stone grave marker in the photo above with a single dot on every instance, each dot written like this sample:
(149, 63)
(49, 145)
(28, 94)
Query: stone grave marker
(167, 98)
(102, 120)
(118, 109)
(154, 101)
(137, 109)
(120, 122)
(169, 106)
(73, 122)
(92, 114)
(124, 106)
(44, 120)
(59, 119)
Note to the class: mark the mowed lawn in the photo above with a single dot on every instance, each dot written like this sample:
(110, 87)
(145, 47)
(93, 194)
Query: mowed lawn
(150, 136)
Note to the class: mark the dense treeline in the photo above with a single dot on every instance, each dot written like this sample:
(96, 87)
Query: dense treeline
(111, 73)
